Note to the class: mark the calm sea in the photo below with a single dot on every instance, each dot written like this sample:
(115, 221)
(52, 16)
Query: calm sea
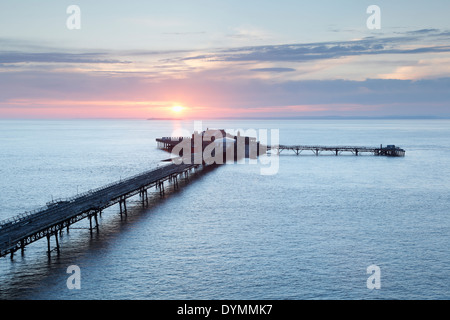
(310, 231)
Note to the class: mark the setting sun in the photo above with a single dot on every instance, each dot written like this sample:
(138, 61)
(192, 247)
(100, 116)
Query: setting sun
(177, 109)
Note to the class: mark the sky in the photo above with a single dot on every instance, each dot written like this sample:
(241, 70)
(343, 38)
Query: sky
(224, 59)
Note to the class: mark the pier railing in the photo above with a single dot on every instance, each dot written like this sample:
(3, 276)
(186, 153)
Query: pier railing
(28, 214)
(390, 150)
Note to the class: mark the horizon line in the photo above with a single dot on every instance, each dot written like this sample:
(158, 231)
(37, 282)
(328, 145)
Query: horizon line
(398, 117)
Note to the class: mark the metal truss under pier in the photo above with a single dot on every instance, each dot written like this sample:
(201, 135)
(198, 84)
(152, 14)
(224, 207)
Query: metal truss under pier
(19, 231)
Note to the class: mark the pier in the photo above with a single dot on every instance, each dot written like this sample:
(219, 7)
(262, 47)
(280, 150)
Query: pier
(49, 221)
(19, 231)
(388, 151)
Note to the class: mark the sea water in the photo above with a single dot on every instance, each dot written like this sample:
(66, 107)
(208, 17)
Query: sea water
(311, 230)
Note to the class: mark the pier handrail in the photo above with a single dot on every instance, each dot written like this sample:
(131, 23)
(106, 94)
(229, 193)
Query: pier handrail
(27, 214)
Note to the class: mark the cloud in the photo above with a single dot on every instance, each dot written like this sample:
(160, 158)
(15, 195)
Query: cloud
(304, 53)
(269, 79)
(240, 96)
(10, 57)
(422, 31)
(276, 70)
(411, 42)
(437, 66)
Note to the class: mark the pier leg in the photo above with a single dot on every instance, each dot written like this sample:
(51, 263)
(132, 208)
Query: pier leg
(48, 246)
(143, 197)
(22, 247)
(161, 188)
(123, 206)
(57, 242)
(96, 221)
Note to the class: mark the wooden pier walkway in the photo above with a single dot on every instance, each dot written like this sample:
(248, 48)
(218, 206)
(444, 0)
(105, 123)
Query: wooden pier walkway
(19, 231)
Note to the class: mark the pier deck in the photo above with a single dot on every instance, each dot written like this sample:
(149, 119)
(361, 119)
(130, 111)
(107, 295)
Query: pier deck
(21, 230)
(389, 151)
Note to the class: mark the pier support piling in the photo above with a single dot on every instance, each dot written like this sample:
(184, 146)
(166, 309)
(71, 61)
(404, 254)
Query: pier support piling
(161, 188)
(95, 220)
(48, 245)
(57, 242)
(123, 206)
